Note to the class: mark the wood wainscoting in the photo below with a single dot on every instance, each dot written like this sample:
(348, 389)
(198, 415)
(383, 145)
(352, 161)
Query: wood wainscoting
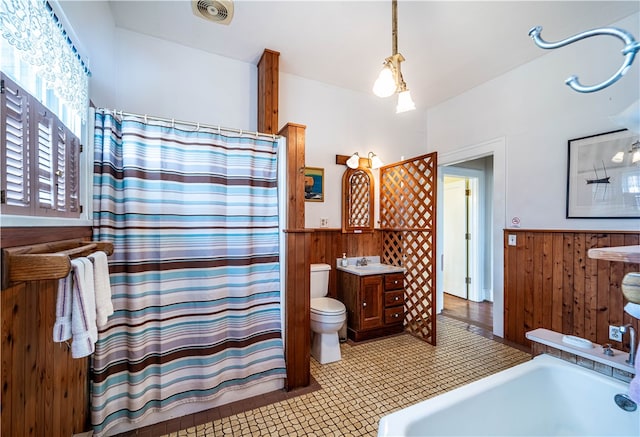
(550, 282)
(44, 390)
(327, 245)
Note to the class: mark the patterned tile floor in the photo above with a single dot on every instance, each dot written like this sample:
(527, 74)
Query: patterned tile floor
(373, 379)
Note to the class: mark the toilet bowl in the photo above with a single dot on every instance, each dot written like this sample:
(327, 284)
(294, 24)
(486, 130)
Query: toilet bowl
(327, 317)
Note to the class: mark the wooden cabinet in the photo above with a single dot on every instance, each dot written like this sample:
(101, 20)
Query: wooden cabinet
(375, 304)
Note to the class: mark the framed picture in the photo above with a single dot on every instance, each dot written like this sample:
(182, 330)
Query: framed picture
(313, 184)
(604, 176)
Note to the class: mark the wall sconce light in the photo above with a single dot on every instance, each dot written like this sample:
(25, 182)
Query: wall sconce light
(374, 161)
(354, 161)
(390, 80)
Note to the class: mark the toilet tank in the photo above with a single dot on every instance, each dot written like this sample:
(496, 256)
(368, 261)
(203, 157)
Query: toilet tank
(319, 280)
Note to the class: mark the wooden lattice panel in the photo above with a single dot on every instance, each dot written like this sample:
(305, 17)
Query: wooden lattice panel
(408, 194)
(359, 200)
(408, 215)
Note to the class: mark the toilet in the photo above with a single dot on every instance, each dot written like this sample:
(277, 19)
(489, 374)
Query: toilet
(327, 317)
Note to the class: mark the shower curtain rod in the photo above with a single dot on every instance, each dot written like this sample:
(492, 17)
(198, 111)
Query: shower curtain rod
(173, 121)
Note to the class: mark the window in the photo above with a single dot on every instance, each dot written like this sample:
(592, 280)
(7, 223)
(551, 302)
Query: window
(40, 156)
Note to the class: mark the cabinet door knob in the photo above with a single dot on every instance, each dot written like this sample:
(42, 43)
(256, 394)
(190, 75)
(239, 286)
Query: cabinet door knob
(395, 282)
(396, 315)
(364, 304)
(397, 298)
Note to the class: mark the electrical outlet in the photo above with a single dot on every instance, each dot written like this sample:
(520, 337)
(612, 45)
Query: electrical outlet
(614, 333)
(324, 222)
(512, 240)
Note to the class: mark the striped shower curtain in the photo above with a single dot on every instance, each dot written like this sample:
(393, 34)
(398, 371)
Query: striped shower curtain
(193, 215)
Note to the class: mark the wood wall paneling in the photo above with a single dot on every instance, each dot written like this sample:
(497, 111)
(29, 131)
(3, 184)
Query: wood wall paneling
(268, 86)
(329, 244)
(550, 282)
(44, 390)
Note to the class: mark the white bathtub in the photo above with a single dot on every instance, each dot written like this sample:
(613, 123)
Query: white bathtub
(542, 397)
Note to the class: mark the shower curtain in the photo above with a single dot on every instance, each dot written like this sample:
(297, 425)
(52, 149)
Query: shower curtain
(193, 215)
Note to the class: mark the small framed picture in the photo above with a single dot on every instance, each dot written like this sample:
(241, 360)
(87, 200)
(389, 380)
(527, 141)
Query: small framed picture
(313, 184)
(603, 178)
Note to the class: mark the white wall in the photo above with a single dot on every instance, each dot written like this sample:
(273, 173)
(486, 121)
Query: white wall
(137, 73)
(341, 122)
(525, 118)
(537, 114)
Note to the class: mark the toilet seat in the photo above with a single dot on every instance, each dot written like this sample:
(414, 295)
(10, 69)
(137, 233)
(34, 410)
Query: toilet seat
(327, 306)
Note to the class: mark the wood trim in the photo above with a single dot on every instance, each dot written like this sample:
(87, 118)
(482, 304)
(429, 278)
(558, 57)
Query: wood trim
(22, 236)
(550, 282)
(268, 89)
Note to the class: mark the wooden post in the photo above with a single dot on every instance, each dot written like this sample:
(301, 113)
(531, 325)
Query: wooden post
(298, 243)
(268, 76)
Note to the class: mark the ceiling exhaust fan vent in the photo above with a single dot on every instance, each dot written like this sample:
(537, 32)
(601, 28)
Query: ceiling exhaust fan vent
(219, 11)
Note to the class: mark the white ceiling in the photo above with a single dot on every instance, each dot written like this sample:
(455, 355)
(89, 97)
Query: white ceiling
(449, 46)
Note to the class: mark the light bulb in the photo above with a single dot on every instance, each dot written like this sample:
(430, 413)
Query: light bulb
(385, 85)
(405, 103)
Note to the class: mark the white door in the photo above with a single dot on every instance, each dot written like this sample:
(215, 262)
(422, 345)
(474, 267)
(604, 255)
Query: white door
(455, 254)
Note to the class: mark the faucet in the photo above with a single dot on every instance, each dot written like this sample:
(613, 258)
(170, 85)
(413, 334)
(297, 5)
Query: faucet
(632, 348)
(362, 262)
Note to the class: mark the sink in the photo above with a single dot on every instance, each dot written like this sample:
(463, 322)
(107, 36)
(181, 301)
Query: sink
(372, 269)
(376, 267)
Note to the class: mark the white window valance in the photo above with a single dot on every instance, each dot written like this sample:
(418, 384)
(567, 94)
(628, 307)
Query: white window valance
(38, 53)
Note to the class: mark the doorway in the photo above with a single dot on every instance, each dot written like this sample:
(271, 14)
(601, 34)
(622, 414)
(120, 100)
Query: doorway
(466, 235)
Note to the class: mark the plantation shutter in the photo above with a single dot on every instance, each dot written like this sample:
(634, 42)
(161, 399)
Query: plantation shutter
(45, 153)
(14, 122)
(40, 158)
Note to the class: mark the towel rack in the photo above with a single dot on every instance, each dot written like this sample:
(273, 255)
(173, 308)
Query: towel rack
(46, 260)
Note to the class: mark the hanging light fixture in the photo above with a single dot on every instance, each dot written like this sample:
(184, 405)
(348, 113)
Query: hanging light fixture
(390, 80)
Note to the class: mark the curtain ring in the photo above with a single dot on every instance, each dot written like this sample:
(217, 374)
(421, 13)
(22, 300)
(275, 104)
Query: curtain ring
(197, 127)
(173, 123)
(219, 133)
(145, 119)
(240, 132)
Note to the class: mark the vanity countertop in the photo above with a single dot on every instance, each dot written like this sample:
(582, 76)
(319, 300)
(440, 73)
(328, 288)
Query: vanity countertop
(373, 267)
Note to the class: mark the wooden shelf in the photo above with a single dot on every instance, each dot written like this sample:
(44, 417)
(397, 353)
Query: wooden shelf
(47, 260)
(627, 254)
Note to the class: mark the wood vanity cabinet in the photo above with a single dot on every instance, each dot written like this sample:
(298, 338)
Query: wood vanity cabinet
(375, 304)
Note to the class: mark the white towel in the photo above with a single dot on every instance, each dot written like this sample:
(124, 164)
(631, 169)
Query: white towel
(83, 318)
(62, 326)
(633, 309)
(104, 306)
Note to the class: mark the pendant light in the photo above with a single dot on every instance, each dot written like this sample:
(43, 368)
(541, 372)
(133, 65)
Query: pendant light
(390, 80)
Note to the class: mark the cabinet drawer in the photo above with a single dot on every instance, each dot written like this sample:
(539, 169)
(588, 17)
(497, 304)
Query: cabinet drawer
(393, 281)
(394, 315)
(392, 298)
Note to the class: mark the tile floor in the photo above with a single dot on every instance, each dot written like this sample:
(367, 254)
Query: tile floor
(373, 379)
